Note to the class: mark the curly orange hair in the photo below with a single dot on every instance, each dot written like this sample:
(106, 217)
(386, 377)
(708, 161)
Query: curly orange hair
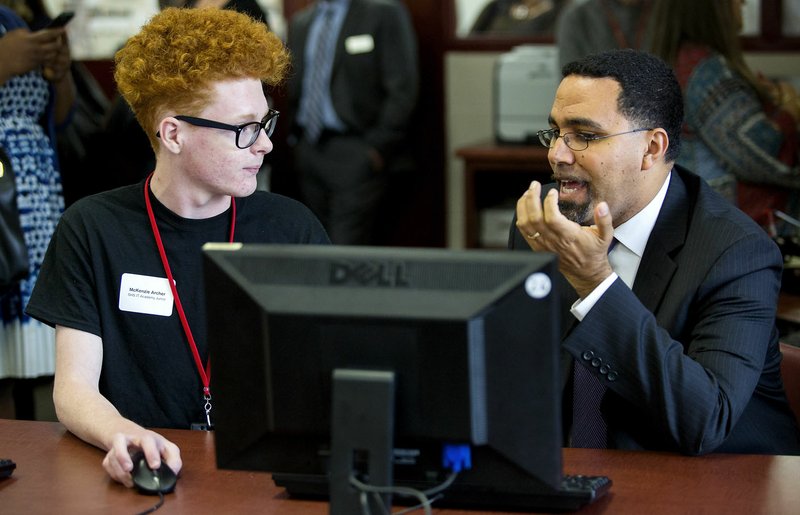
(176, 57)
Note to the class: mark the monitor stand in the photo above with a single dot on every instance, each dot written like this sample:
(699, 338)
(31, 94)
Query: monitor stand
(362, 438)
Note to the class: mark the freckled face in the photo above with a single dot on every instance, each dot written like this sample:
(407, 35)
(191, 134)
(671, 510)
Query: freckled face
(213, 160)
(609, 169)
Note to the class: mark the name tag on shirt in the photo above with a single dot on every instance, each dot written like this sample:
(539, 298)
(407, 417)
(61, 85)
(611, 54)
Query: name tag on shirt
(145, 294)
(360, 44)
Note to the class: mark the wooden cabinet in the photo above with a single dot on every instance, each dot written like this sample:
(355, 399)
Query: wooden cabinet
(495, 176)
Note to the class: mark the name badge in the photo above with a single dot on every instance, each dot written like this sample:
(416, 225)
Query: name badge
(360, 44)
(145, 294)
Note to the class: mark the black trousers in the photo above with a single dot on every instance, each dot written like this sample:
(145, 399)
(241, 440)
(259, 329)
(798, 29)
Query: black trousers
(339, 184)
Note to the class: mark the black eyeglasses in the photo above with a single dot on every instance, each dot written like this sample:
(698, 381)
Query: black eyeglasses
(246, 133)
(575, 140)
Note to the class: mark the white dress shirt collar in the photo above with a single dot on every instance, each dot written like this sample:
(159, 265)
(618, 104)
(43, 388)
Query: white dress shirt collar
(635, 232)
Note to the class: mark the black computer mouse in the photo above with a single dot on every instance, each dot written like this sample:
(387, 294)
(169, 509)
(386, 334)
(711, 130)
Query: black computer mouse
(152, 481)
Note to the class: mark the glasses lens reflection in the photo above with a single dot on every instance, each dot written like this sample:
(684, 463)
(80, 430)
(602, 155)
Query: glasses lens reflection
(248, 134)
(573, 140)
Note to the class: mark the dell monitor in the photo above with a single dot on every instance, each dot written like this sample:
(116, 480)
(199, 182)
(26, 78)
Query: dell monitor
(334, 363)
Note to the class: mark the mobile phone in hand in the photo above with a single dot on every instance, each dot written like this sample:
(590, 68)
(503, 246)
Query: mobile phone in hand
(60, 20)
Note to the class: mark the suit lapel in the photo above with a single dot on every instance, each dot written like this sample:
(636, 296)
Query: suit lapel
(302, 28)
(350, 24)
(669, 234)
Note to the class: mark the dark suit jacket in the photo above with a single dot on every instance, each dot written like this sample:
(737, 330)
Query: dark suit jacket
(693, 348)
(374, 93)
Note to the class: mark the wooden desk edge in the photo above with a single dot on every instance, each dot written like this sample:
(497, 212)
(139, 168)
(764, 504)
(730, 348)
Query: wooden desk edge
(643, 481)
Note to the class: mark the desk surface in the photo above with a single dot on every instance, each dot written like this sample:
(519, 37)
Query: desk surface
(57, 473)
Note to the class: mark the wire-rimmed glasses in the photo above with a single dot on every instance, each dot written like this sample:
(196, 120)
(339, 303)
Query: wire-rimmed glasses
(576, 140)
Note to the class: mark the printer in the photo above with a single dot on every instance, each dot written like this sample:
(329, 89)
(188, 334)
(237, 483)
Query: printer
(525, 83)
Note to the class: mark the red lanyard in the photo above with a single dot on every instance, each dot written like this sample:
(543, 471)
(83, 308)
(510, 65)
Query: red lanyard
(205, 372)
(619, 35)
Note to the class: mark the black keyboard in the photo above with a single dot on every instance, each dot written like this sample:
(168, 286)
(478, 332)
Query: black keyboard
(575, 492)
(6, 467)
(584, 489)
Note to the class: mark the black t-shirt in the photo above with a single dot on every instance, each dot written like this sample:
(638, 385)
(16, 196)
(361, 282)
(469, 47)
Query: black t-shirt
(106, 240)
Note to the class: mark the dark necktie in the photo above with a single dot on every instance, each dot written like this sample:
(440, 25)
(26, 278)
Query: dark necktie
(318, 82)
(589, 428)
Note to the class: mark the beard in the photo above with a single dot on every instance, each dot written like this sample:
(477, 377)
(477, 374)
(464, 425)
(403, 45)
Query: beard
(580, 213)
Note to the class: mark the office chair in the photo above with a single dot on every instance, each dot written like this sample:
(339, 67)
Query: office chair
(790, 372)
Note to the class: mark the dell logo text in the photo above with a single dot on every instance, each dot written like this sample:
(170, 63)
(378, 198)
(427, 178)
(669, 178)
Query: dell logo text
(369, 273)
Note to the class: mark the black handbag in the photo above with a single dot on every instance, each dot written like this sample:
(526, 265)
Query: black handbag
(13, 250)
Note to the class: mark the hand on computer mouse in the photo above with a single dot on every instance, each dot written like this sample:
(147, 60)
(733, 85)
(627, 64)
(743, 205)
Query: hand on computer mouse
(157, 449)
(152, 481)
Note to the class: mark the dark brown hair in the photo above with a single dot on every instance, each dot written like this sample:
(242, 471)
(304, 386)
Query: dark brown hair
(711, 23)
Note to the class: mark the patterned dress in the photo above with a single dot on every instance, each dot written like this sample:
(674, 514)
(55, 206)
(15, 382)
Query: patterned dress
(26, 345)
(744, 149)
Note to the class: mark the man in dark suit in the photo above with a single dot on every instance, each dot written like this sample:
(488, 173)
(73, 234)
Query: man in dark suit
(351, 96)
(673, 329)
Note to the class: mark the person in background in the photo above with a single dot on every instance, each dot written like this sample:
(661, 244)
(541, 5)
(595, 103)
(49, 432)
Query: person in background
(36, 98)
(741, 130)
(597, 25)
(248, 7)
(351, 96)
(122, 279)
(518, 17)
(671, 344)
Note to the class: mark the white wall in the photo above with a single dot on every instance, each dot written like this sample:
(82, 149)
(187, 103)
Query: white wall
(468, 115)
(468, 119)
(101, 27)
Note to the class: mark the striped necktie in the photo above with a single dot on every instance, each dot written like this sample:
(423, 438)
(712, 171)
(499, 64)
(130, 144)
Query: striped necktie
(589, 429)
(318, 80)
